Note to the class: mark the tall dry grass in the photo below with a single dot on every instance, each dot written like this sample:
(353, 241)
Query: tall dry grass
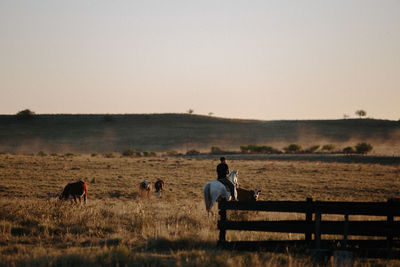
(117, 228)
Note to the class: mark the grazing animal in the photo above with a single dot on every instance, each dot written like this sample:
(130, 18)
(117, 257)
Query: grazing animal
(159, 186)
(248, 195)
(75, 190)
(215, 190)
(144, 189)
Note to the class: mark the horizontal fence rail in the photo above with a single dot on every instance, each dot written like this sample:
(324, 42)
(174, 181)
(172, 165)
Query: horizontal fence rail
(359, 228)
(324, 207)
(313, 223)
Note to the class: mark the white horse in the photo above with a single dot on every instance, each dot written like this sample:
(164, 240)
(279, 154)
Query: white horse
(215, 190)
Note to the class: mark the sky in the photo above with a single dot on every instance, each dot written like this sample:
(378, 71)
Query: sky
(266, 60)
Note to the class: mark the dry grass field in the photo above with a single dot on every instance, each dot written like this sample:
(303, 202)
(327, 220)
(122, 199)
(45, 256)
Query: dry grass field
(118, 228)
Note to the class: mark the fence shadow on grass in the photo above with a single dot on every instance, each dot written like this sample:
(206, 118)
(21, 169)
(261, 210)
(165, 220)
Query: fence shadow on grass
(180, 244)
(360, 248)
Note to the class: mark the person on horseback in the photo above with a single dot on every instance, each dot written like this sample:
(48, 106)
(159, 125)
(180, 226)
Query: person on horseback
(222, 171)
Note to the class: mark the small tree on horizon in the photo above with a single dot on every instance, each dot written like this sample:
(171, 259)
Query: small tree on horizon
(361, 113)
(190, 111)
(26, 114)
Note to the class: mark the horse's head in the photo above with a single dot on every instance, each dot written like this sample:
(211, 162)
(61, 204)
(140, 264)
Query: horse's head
(65, 193)
(233, 176)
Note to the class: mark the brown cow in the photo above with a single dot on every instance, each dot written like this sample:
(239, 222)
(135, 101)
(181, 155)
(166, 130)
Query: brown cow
(248, 195)
(144, 189)
(159, 186)
(75, 190)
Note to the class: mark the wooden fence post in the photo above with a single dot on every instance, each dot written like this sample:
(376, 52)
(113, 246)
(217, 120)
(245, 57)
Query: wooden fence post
(318, 230)
(309, 217)
(389, 237)
(222, 231)
(345, 230)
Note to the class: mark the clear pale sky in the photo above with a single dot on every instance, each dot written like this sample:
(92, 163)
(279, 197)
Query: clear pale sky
(268, 60)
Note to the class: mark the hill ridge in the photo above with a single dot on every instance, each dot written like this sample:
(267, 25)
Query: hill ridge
(166, 131)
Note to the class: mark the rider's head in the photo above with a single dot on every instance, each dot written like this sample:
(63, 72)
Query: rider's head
(222, 159)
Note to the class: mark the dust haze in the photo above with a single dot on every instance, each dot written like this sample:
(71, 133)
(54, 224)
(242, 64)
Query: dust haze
(165, 132)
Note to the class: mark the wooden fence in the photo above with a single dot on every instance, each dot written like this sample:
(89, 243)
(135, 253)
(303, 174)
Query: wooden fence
(313, 225)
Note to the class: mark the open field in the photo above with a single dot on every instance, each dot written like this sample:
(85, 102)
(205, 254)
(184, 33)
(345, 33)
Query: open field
(116, 227)
(182, 132)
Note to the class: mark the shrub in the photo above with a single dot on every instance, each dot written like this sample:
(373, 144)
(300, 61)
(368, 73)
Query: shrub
(26, 114)
(172, 153)
(245, 149)
(312, 149)
(192, 152)
(349, 150)
(41, 153)
(149, 154)
(268, 150)
(108, 118)
(131, 153)
(216, 150)
(328, 147)
(69, 154)
(251, 149)
(293, 148)
(109, 155)
(363, 148)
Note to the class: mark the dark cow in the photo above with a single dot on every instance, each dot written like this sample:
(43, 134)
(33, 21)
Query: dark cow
(75, 190)
(159, 186)
(248, 195)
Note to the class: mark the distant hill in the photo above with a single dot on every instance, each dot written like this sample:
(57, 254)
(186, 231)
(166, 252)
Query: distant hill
(163, 132)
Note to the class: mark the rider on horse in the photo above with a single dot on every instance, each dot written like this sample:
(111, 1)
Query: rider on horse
(222, 171)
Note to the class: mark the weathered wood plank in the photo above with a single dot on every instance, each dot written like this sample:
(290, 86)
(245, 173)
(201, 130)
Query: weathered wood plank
(360, 228)
(308, 235)
(324, 207)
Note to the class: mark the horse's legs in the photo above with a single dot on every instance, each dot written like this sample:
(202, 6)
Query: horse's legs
(208, 213)
(75, 199)
(212, 204)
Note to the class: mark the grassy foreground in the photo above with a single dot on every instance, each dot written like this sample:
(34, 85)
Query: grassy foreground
(118, 228)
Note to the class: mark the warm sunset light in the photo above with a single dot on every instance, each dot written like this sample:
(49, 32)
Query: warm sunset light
(199, 133)
(258, 59)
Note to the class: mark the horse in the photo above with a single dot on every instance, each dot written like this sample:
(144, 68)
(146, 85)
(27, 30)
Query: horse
(248, 195)
(215, 190)
(75, 190)
(159, 186)
(144, 189)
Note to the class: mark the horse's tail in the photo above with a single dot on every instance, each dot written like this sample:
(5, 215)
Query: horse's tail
(207, 196)
(85, 192)
(159, 185)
